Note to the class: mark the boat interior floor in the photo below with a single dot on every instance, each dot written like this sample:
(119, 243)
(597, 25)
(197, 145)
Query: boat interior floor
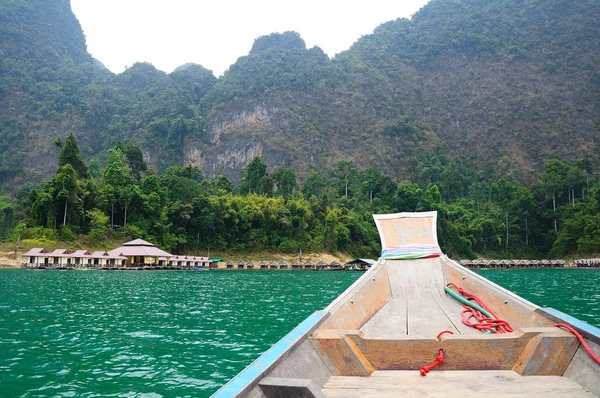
(464, 384)
(418, 305)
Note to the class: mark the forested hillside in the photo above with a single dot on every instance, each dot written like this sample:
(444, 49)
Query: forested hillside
(508, 84)
(488, 111)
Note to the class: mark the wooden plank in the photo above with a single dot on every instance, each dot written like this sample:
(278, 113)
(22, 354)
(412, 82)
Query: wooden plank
(453, 384)
(453, 310)
(390, 320)
(405, 230)
(547, 354)
(416, 278)
(483, 352)
(341, 355)
(275, 387)
(426, 318)
(360, 305)
(584, 370)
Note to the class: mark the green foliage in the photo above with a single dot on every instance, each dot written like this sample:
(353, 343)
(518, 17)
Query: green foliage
(98, 225)
(65, 234)
(69, 155)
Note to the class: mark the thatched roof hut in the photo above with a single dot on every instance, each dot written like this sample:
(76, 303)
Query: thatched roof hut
(309, 264)
(296, 264)
(273, 264)
(250, 264)
(283, 265)
(263, 264)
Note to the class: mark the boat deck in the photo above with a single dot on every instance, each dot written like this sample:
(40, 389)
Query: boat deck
(463, 384)
(419, 306)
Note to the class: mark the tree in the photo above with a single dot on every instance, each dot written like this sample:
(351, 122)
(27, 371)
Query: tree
(135, 160)
(98, 222)
(66, 187)
(254, 177)
(285, 180)
(69, 155)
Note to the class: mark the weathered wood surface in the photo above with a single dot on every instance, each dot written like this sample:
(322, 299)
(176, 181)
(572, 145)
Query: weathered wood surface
(421, 278)
(584, 370)
(341, 355)
(276, 387)
(506, 305)
(464, 384)
(426, 318)
(370, 295)
(390, 320)
(453, 310)
(547, 354)
(396, 232)
(483, 352)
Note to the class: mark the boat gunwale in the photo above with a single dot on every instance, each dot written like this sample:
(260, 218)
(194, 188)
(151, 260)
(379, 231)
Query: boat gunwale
(479, 278)
(244, 381)
(588, 331)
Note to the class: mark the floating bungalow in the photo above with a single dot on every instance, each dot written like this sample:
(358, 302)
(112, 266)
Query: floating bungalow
(62, 258)
(273, 265)
(296, 265)
(241, 265)
(335, 265)
(283, 265)
(360, 264)
(263, 264)
(250, 264)
(37, 257)
(309, 265)
(140, 253)
(230, 265)
(587, 262)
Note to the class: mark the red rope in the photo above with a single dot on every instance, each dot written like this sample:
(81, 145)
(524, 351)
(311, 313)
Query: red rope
(444, 332)
(482, 322)
(439, 360)
(581, 340)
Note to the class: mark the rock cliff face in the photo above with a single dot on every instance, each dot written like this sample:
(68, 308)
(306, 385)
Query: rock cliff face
(505, 84)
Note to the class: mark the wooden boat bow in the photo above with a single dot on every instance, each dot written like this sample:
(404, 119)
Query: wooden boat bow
(376, 336)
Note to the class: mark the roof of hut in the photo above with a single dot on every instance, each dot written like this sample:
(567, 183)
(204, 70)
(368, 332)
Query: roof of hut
(250, 263)
(241, 262)
(140, 247)
(335, 263)
(283, 263)
(81, 253)
(59, 252)
(322, 264)
(100, 253)
(297, 262)
(117, 256)
(309, 263)
(35, 251)
(274, 263)
(263, 262)
(230, 262)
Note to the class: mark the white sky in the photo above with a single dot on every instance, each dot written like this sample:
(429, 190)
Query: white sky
(214, 34)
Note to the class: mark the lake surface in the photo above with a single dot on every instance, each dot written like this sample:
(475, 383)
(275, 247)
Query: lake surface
(152, 334)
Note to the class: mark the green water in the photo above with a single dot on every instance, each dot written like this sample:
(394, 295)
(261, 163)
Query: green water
(151, 334)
